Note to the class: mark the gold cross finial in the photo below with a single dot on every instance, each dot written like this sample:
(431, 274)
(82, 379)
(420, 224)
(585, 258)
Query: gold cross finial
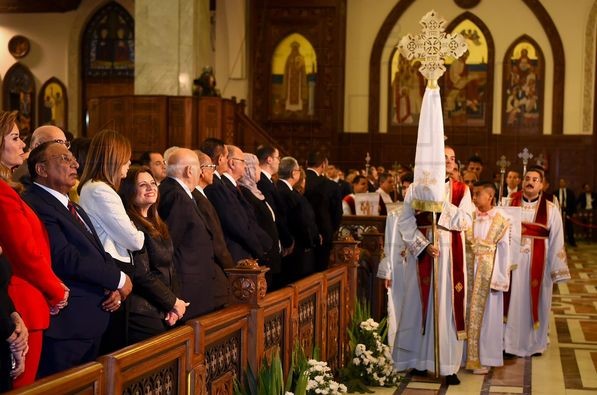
(432, 46)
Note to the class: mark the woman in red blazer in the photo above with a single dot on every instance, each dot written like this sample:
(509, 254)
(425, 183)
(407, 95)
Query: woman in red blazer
(33, 288)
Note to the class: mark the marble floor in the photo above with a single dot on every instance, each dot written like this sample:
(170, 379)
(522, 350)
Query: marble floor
(568, 367)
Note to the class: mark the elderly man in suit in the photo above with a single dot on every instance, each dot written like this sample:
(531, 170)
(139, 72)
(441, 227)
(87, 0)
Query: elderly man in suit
(194, 257)
(244, 238)
(96, 285)
(301, 222)
(222, 255)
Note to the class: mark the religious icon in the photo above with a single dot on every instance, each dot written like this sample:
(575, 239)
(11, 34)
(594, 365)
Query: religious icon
(465, 83)
(53, 103)
(408, 86)
(523, 88)
(18, 91)
(294, 78)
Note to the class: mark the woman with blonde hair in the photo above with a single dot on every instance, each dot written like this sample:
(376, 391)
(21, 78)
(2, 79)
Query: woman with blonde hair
(33, 288)
(108, 161)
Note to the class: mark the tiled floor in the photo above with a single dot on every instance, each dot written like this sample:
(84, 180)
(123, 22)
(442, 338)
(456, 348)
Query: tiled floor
(568, 367)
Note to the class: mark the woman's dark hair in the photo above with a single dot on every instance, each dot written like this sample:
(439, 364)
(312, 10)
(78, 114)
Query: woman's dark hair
(128, 190)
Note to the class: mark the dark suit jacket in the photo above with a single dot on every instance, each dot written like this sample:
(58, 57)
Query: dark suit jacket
(79, 259)
(269, 190)
(244, 238)
(194, 259)
(223, 257)
(582, 200)
(570, 204)
(324, 196)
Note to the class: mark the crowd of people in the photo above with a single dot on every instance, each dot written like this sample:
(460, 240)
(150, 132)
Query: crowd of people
(495, 273)
(98, 253)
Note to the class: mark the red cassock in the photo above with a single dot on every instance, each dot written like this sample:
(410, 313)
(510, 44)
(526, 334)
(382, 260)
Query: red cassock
(33, 286)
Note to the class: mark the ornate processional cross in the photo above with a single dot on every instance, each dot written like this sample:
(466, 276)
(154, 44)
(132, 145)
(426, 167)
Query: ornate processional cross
(432, 46)
(525, 155)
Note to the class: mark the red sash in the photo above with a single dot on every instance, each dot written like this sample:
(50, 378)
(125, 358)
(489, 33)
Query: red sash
(426, 264)
(538, 232)
(350, 201)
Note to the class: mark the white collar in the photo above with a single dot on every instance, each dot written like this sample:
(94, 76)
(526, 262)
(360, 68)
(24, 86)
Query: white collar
(287, 183)
(184, 186)
(232, 180)
(61, 198)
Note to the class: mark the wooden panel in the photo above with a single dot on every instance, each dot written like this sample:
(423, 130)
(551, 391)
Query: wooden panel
(229, 121)
(147, 129)
(336, 297)
(309, 307)
(210, 118)
(86, 379)
(160, 364)
(221, 340)
(182, 119)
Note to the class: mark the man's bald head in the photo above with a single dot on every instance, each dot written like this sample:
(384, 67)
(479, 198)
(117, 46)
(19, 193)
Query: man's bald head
(180, 160)
(46, 133)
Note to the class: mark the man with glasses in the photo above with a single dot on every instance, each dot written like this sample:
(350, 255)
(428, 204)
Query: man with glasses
(40, 136)
(244, 238)
(78, 258)
(221, 253)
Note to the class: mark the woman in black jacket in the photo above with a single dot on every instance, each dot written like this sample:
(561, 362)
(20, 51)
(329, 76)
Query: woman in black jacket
(154, 304)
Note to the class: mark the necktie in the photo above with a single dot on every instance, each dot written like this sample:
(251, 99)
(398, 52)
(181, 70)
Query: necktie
(73, 211)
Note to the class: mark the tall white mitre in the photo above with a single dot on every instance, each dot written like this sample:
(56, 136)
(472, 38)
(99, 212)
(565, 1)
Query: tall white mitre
(431, 47)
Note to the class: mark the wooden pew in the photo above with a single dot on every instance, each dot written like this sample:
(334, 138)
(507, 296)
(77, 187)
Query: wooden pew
(85, 379)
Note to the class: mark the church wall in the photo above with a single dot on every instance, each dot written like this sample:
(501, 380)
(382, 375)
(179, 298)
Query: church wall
(55, 48)
(507, 21)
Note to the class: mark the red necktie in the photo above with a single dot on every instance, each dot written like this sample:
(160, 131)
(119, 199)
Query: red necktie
(73, 211)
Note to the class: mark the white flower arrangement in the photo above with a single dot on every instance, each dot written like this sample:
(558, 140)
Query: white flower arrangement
(320, 379)
(371, 363)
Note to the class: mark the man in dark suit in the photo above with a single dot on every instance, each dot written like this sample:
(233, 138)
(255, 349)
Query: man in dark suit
(222, 255)
(301, 223)
(218, 153)
(202, 280)
(567, 201)
(244, 238)
(324, 196)
(78, 258)
(269, 162)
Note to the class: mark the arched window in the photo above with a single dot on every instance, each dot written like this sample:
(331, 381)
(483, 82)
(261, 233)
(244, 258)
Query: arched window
(108, 55)
(294, 78)
(523, 101)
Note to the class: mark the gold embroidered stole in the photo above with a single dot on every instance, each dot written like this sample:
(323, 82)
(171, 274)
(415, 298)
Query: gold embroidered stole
(484, 255)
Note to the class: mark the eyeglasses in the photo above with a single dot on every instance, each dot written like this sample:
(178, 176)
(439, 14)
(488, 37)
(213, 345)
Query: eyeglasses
(238, 159)
(66, 143)
(64, 158)
(213, 167)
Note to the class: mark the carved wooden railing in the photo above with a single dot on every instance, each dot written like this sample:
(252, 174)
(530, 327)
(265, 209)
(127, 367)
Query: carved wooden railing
(84, 379)
(369, 231)
(205, 355)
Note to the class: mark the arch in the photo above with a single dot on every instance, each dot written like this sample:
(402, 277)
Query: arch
(523, 87)
(75, 84)
(107, 54)
(396, 13)
(18, 92)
